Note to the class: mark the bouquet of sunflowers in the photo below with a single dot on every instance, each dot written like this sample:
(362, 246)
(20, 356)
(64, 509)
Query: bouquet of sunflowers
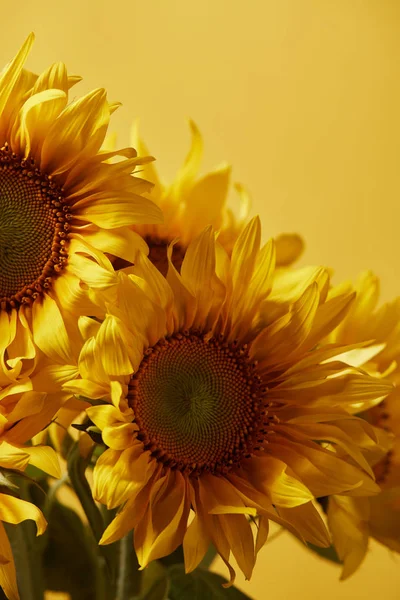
(169, 384)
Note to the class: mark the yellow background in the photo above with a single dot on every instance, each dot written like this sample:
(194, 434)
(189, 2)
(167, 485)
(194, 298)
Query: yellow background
(303, 98)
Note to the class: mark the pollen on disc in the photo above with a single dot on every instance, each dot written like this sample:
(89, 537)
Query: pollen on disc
(26, 233)
(195, 401)
(33, 225)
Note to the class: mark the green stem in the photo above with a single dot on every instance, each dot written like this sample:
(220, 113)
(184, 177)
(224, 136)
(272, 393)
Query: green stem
(106, 554)
(76, 470)
(27, 560)
(129, 576)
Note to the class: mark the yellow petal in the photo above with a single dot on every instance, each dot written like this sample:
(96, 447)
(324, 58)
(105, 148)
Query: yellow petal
(129, 516)
(72, 296)
(150, 280)
(243, 261)
(348, 523)
(206, 200)
(36, 116)
(195, 544)
(119, 475)
(111, 342)
(262, 533)
(87, 388)
(148, 171)
(54, 77)
(29, 426)
(279, 342)
(115, 209)
(222, 497)
(289, 247)
(187, 174)
(44, 458)
(384, 517)
(320, 470)
(145, 319)
(332, 433)
(122, 242)
(51, 378)
(247, 305)
(19, 343)
(104, 416)
(239, 535)
(12, 457)
(80, 128)
(14, 510)
(214, 529)
(121, 436)
(9, 76)
(49, 330)
(91, 366)
(8, 576)
(167, 513)
(198, 275)
(185, 303)
(308, 523)
(290, 284)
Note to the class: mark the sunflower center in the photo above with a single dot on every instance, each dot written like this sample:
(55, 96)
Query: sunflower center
(198, 403)
(382, 416)
(158, 254)
(158, 248)
(33, 230)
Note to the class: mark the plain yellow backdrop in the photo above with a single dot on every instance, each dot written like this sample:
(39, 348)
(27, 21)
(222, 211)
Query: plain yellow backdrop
(303, 98)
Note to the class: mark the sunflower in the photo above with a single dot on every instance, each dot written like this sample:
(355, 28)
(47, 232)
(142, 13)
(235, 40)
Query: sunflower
(61, 204)
(38, 407)
(353, 520)
(190, 203)
(217, 412)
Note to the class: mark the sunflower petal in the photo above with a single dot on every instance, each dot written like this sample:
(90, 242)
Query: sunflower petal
(14, 510)
(8, 575)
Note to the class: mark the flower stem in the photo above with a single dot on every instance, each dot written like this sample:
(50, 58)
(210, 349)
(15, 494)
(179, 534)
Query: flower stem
(129, 576)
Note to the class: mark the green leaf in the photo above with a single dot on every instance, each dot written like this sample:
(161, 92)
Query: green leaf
(200, 584)
(25, 549)
(155, 582)
(5, 481)
(175, 558)
(327, 553)
(208, 557)
(69, 562)
(90, 428)
(76, 470)
(129, 576)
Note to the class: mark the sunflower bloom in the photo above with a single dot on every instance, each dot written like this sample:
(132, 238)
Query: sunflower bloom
(353, 520)
(215, 410)
(190, 203)
(61, 204)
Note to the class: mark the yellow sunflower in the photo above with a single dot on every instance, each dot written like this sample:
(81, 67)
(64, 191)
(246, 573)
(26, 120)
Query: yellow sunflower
(61, 204)
(190, 203)
(37, 405)
(13, 460)
(353, 520)
(218, 412)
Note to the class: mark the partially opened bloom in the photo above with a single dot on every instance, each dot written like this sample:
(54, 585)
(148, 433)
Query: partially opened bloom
(219, 411)
(353, 520)
(191, 202)
(61, 203)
